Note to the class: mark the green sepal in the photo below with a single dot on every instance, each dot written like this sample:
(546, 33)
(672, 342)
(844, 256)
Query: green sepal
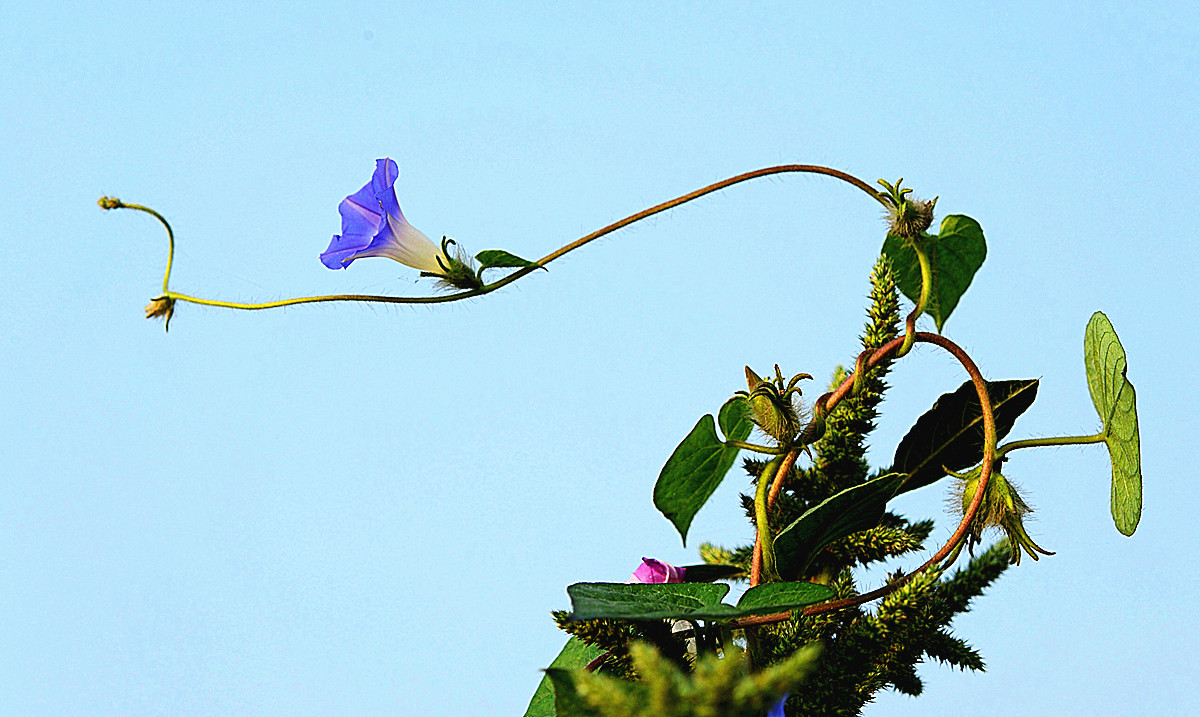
(687, 601)
(950, 434)
(500, 259)
(699, 464)
(575, 655)
(850, 511)
(955, 254)
(1116, 402)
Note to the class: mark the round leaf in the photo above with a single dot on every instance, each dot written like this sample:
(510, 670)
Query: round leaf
(1116, 402)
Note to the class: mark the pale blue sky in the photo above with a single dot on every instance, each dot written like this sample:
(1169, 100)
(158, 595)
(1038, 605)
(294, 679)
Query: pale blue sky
(342, 509)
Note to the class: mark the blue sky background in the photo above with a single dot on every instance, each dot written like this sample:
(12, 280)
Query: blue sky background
(347, 509)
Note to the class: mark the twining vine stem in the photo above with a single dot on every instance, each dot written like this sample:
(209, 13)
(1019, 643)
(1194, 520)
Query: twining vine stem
(899, 346)
(113, 203)
(955, 541)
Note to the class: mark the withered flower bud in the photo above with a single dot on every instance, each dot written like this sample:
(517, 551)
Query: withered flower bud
(161, 307)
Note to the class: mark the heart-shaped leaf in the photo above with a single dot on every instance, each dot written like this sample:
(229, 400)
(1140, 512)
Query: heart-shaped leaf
(687, 601)
(500, 259)
(850, 511)
(1116, 402)
(699, 464)
(955, 254)
(575, 655)
(950, 435)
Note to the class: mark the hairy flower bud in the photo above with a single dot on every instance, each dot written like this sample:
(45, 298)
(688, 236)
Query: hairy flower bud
(910, 217)
(772, 405)
(161, 307)
(1002, 508)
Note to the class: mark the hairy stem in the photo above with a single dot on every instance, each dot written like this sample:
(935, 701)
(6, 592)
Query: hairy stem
(1054, 441)
(754, 447)
(488, 288)
(955, 541)
(910, 323)
(765, 542)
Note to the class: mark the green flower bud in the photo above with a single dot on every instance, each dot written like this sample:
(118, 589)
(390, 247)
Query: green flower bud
(774, 405)
(1002, 508)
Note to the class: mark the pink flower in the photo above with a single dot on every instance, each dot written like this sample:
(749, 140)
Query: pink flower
(656, 571)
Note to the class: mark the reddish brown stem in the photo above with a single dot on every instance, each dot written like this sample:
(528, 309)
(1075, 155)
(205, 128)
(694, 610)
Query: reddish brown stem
(989, 452)
(781, 474)
(595, 664)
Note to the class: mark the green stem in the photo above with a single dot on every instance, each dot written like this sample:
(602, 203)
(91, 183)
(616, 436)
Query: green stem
(766, 541)
(1055, 441)
(953, 545)
(112, 203)
(752, 447)
(910, 323)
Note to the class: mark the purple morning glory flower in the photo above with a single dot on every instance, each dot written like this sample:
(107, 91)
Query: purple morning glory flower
(373, 225)
(656, 571)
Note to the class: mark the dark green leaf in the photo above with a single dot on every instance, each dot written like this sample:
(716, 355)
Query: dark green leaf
(1116, 402)
(699, 464)
(734, 419)
(950, 434)
(706, 573)
(850, 511)
(639, 601)
(778, 597)
(687, 601)
(566, 698)
(575, 655)
(955, 254)
(500, 259)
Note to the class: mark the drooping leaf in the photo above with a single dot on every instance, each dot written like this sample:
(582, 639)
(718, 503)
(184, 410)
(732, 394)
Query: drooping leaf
(850, 511)
(699, 464)
(687, 601)
(1116, 402)
(575, 655)
(950, 435)
(955, 254)
(500, 259)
